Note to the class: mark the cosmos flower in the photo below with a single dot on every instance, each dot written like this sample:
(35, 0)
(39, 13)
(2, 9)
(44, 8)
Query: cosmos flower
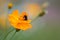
(19, 22)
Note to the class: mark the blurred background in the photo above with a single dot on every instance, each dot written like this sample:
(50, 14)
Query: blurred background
(46, 27)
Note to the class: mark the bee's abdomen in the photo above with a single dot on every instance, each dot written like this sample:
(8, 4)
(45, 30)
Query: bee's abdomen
(25, 17)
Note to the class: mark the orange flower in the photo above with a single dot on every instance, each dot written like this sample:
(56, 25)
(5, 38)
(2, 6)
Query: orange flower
(19, 21)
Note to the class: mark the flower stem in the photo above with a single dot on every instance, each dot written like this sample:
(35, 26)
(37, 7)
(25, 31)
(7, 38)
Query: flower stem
(13, 35)
(7, 34)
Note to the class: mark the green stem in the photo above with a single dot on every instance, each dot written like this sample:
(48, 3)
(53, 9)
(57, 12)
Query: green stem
(13, 35)
(7, 34)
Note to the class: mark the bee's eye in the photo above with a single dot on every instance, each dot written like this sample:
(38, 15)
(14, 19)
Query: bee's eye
(25, 17)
